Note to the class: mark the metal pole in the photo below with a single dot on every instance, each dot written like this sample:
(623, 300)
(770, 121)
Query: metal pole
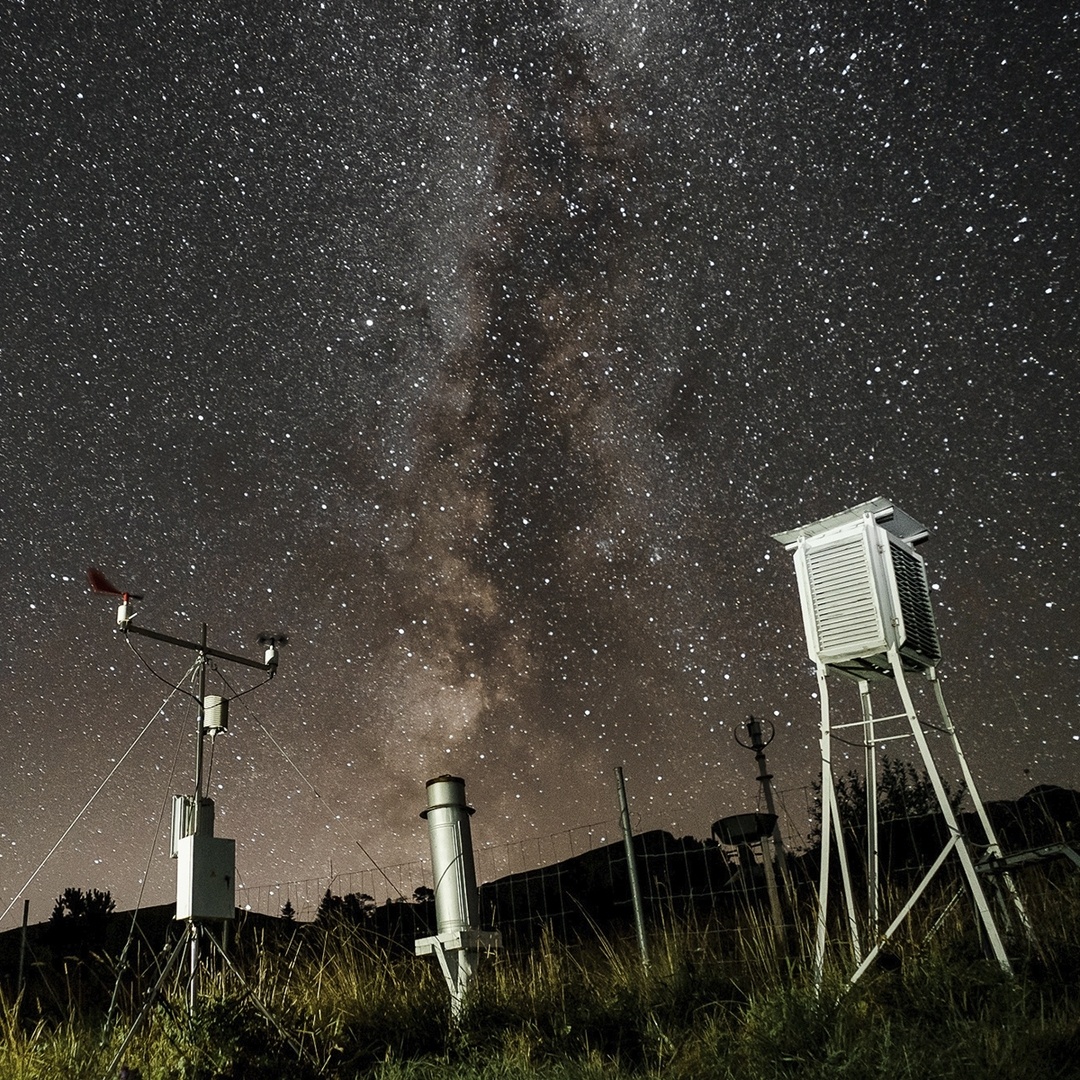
(870, 772)
(757, 742)
(193, 983)
(193, 926)
(832, 831)
(202, 720)
(826, 833)
(770, 887)
(631, 866)
(166, 971)
(22, 948)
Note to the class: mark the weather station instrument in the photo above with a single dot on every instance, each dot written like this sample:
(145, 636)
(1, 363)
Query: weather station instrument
(205, 863)
(741, 830)
(460, 943)
(868, 618)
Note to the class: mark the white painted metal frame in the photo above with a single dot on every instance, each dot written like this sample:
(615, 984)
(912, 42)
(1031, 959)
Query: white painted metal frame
(868, 617)
(832, 826)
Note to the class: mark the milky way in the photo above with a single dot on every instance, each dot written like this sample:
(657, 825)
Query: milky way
(482, 353)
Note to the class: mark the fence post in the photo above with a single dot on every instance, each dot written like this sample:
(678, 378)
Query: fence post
(22, 948)
(631, 867)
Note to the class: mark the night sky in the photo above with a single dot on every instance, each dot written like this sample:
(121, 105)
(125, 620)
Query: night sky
(480, 348)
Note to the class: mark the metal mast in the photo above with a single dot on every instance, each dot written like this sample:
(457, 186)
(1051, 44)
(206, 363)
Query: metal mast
(758, 741)
(206, 864)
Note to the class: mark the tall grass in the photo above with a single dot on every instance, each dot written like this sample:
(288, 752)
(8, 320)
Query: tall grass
(713, 1002)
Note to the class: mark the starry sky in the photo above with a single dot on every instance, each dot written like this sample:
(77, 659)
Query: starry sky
(480, 348)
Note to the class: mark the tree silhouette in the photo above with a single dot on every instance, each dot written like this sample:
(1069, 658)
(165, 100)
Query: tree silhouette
(90, 906)
(79, 921)
(352, 908)
(903, 792)
(907, 808)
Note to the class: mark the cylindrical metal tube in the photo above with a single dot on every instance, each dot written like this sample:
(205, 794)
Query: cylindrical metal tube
(452, 866)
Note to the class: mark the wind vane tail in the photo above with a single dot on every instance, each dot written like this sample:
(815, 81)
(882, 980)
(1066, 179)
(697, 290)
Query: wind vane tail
(101, 584)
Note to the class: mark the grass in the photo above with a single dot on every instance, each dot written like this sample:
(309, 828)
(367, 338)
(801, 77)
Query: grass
(712, 1003)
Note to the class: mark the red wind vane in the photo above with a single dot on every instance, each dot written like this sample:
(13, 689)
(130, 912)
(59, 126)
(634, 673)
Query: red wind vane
(101, 584)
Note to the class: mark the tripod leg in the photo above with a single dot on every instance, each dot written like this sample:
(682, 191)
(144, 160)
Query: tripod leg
(267, 1015)
(148, 1005)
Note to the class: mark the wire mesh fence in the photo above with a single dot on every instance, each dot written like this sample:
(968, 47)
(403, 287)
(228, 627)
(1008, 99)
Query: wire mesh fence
(303, 897)
(565, 880)
(577, 881)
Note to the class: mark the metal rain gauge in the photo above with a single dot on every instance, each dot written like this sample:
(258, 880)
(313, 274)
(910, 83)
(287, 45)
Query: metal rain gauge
(459, 943)
(868, 618)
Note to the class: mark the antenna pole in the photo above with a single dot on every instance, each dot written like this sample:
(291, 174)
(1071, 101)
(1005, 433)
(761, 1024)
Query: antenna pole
(202, 720)
(758, 742)
(206, 866)
(268, 664)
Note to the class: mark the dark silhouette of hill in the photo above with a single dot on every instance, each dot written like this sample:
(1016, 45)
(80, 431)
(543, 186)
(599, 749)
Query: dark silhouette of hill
(1047, 814)
(592, 890)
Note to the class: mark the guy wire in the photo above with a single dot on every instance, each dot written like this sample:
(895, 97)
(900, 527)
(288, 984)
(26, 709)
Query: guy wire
(314, 790)
(101, 787)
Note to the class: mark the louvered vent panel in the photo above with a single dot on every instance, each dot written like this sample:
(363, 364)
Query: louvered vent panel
(846, 615)
(920, 633)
